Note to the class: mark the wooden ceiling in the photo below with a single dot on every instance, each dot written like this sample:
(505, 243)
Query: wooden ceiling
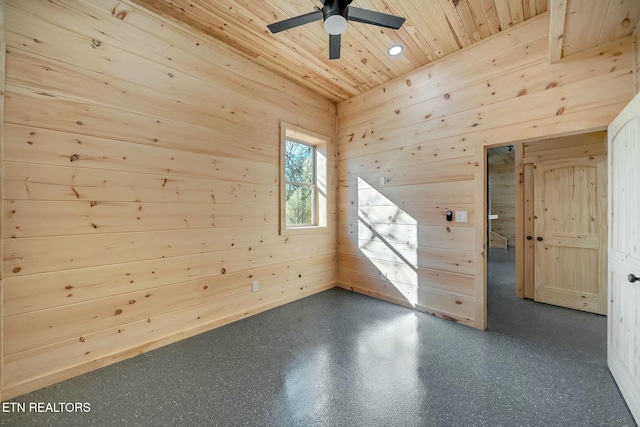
(433, 29)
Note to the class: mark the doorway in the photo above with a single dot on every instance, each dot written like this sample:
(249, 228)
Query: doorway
(548, 245)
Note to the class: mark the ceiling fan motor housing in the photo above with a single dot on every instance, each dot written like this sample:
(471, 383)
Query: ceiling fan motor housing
(335, 15)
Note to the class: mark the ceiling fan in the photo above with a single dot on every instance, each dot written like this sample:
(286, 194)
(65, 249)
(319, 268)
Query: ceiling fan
(335, 14)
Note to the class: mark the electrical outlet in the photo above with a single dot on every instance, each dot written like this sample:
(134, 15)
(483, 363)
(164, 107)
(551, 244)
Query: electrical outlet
(254, 287)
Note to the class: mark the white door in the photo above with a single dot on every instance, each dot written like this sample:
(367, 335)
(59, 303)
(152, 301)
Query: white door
(623, 335)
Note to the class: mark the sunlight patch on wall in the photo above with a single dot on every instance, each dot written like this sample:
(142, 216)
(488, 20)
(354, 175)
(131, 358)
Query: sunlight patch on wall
(388, 237)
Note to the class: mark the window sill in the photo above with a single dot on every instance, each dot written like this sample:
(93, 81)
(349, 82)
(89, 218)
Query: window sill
(311, 229)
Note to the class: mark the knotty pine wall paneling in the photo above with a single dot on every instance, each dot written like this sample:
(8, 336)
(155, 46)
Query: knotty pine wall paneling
(502, 196)
(566, 147)
(426, 133)
(3, 47)
(635, 53)
(141, 188)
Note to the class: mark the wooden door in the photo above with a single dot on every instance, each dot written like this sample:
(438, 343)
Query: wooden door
(623, 335)
(570, 233)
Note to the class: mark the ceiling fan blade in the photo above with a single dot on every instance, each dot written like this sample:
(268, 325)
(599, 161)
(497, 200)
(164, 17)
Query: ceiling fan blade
(334, 46)
(375, 18)
(295, 22)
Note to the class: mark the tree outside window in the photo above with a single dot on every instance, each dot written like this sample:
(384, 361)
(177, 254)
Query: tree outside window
(300, 188)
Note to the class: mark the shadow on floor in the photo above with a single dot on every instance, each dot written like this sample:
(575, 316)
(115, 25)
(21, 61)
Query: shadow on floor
(343, 359)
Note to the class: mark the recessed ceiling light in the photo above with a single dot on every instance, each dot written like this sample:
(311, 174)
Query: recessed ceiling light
(395, 50)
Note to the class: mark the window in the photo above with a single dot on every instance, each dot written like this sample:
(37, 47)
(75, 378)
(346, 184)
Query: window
(303, 180)
(300, 185)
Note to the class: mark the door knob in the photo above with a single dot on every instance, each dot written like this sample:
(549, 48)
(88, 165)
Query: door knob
(632, 278)
(539, 239)
(529, 237)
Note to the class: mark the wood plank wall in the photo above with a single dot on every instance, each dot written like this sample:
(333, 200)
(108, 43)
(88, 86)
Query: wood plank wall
(426, 131)
(3, 48)
(502, 196)
(141, 188)
(566, 147)
(636, 58)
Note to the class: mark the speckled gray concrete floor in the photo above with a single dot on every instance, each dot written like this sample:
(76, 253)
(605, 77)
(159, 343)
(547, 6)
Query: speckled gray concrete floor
(343, 359)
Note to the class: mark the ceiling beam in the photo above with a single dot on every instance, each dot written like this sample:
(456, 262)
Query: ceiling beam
(558, 10)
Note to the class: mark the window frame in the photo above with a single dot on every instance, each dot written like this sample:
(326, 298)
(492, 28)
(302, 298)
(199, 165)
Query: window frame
(319, 214)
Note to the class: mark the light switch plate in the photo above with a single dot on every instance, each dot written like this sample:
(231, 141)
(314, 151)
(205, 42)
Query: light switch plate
(461, 216)
(254, 286)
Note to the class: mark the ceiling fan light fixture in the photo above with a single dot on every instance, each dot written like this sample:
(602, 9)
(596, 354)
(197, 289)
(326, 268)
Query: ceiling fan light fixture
(335, 15)
(335, 24)
(395, 50)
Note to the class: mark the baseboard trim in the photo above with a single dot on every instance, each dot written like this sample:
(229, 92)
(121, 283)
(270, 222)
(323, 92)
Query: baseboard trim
(418, 307)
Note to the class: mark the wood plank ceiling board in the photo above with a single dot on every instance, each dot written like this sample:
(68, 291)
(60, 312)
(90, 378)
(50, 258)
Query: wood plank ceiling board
(517, 11)
(591, 23)
(433, 29)
(621, 19)
(578, 21)
(488, 8)
(504, 14)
